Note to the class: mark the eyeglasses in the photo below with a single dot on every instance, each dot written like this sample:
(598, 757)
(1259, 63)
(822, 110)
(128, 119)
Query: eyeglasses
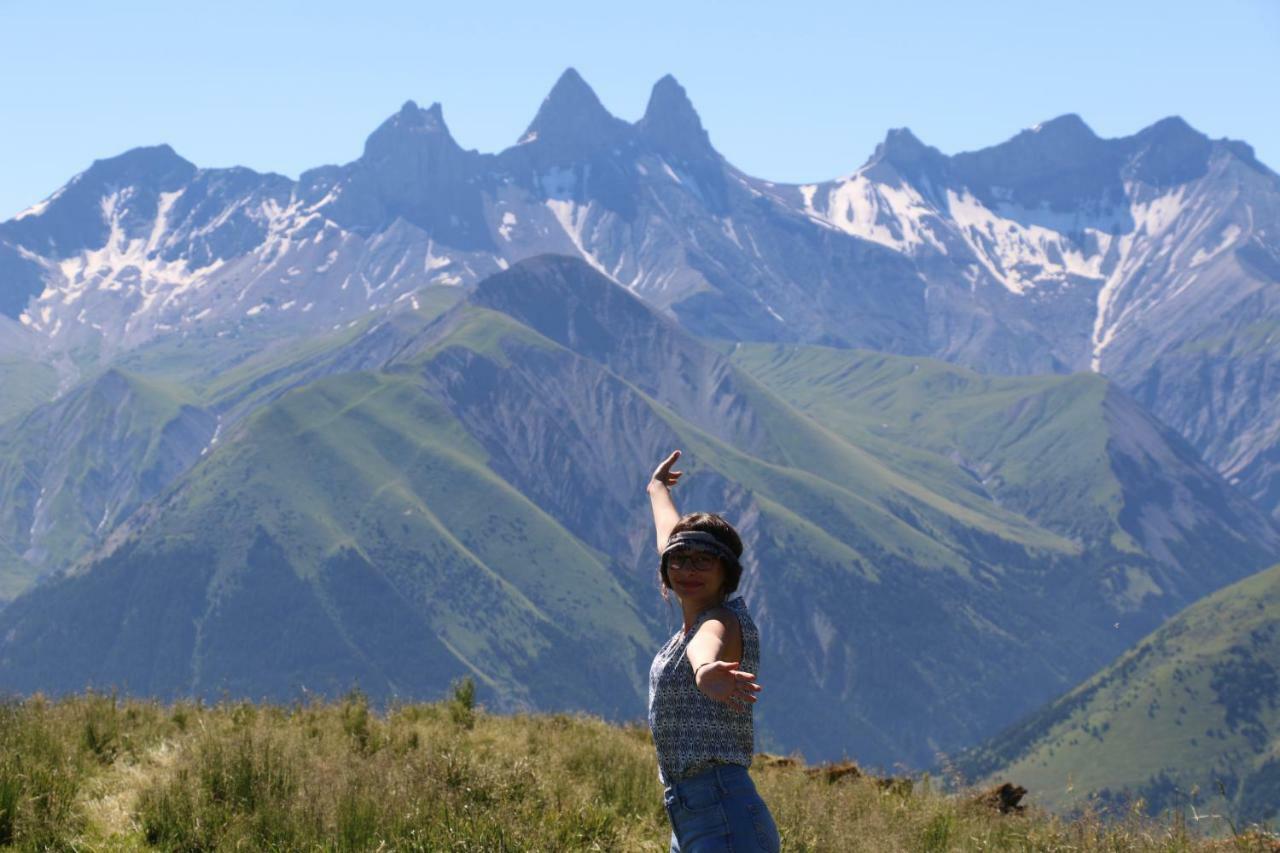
(692, 561)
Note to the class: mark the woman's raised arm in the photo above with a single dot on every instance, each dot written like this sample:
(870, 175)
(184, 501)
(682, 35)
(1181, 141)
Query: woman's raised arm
(665, 514)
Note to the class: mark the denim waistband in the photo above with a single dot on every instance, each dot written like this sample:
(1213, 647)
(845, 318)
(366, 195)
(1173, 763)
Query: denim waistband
(726, 777)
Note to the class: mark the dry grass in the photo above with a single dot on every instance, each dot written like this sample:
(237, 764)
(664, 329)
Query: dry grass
(95, 773)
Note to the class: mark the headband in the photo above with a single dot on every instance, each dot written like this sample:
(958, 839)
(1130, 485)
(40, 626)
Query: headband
(697, 540)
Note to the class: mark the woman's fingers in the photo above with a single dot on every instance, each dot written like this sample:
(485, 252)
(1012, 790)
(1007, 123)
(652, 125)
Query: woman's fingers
(664, 472)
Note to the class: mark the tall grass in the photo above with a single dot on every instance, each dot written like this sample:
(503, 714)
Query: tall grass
(342, 776)
(48, 750)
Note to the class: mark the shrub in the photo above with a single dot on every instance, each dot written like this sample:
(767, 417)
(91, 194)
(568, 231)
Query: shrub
(462, 703)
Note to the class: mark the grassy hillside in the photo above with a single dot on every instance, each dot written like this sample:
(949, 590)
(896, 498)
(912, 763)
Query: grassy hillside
(1070, 454)
(94, 773)
(1191, 714)
(71, 470)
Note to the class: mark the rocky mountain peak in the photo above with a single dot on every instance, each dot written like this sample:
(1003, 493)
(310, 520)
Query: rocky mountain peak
(902, 147)
(903, 152)
(412, 127)
(1060, 162)
(572, 118)
(1066, 129)
(153, 166)
(671, 124)
(1170, 129)
(73, 218)
(1167, 153)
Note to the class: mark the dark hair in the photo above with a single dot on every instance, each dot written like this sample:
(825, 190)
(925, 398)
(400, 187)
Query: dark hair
(709, 522)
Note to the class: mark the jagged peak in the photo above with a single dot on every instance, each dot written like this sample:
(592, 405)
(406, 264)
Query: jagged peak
(668, 100)
(570, 112)
(903, 150)
(411, 121)
(671, 122)
(901, 144)
(411, 115)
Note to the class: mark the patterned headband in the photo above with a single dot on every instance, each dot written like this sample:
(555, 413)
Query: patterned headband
(697, 540)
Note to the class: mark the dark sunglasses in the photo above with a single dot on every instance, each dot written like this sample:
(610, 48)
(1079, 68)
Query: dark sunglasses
(692, 561)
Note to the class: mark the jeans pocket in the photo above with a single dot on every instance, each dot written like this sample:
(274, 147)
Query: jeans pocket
(766, 830)
(698, 818)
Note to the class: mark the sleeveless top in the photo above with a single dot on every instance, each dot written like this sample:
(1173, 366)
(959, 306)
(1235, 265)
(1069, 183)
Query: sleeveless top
(690, 731)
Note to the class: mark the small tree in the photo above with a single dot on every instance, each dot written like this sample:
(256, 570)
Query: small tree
(462, 704)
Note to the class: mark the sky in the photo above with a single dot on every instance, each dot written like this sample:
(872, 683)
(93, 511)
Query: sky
(792, 92)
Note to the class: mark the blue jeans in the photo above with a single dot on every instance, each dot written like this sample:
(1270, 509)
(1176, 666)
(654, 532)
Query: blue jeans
(719, 810)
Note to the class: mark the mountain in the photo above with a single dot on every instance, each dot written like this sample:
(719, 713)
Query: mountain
(458, 490)
(1191, 713)
(1074, 454)
(72, 470)
(1150, 258)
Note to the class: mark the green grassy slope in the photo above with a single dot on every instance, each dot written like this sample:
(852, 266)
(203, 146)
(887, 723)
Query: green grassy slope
(1003, 436)
(358, 508)
(73, 469)
(1067, 453)
(1190, 714)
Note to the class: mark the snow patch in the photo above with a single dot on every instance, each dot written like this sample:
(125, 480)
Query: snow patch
(41, 206)
(892, 216)
(573, 219)
(1151, 219)
(328, 261)
(1229, 235)
(122, 263)
(509, 222)
(1019, 255)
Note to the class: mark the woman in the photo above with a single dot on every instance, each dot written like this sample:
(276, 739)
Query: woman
(702, 684)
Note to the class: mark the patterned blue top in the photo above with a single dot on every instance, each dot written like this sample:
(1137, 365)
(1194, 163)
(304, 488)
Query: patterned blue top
(690, 731)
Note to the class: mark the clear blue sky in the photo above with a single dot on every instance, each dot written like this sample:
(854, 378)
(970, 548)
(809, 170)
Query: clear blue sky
(788, 91)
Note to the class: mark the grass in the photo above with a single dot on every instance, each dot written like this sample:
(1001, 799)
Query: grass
(94, 772)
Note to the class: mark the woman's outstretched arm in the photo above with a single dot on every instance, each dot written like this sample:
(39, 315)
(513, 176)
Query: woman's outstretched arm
(715, 653)
(665, 514)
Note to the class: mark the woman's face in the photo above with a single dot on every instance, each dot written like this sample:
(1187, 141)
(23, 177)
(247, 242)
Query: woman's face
(695, 576)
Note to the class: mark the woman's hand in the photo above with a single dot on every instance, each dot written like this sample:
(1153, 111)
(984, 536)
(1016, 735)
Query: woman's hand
(663, 476)
(724, 682)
